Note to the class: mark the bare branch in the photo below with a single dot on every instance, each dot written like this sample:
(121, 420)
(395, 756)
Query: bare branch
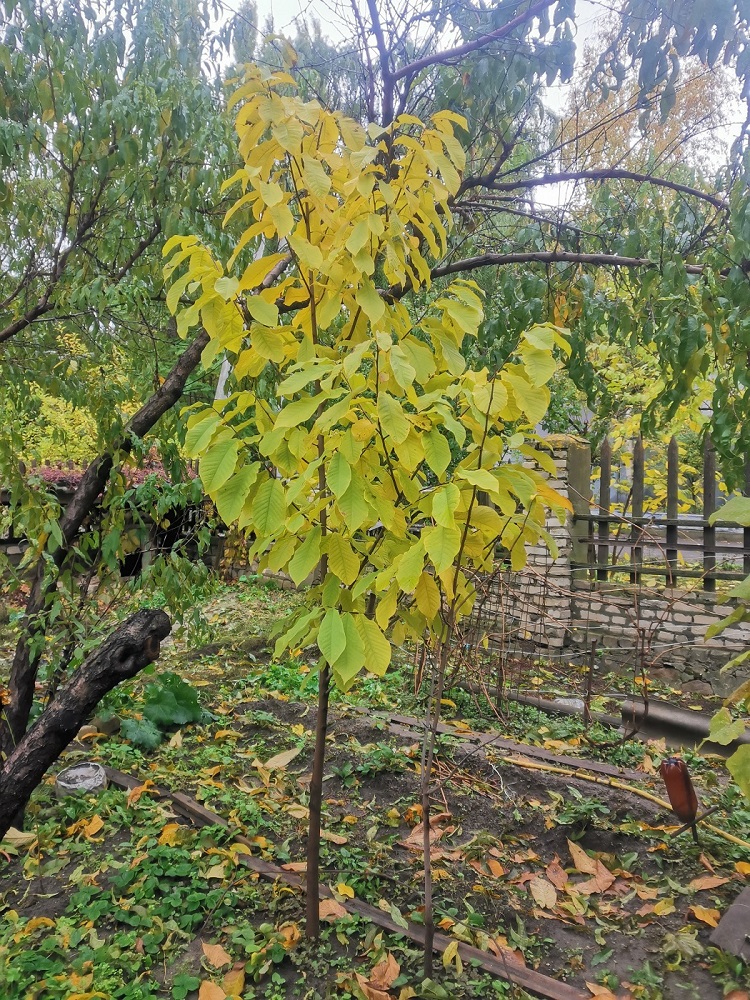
(476, 43)
(602, 174)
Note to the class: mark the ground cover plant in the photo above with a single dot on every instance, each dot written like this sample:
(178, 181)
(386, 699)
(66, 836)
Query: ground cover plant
(119, 895)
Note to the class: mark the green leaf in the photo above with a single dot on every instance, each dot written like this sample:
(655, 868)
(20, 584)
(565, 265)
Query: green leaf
(409, 567)
(723, 730)
(352, 504)
(307, 556)
(481, 478)
(141, 733)
(736, 510)
(200, 433)
(444, 503)
(442, 545)
(427, 596)
(296, 413)
(437, 451)
(230, 498)
(352, 659)
(269, 508)
(342, 559)
(392, 418)
(218, 463)
(268, 343)
(338, 475)
(376, 646)
(738, 614)
(331, 636)
(738, 766)
(263, 312)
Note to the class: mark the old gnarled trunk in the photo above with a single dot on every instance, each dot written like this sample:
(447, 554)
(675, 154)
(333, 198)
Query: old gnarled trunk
(131, 647)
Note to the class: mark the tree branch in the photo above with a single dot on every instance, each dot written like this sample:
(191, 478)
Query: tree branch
(131, 647)
(602, 174)
(474, 44)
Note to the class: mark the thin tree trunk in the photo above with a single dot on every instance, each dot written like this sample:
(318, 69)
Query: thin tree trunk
(312, 922)
(131, 647)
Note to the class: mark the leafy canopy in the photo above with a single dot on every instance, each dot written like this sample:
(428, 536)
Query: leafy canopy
(349, 470)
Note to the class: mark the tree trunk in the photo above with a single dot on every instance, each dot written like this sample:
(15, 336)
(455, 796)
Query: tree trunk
(131, 647)
(26, 659)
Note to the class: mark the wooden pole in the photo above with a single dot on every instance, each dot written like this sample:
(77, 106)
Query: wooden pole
(636, 531)
(673, 486)
(709, 506)
(605, 480)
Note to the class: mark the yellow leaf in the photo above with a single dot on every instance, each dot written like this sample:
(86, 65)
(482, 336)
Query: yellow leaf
(581, 861)
(743, 867)
(227, 734)
(135, 793)
(345, 890)
(664, 907)
(37, 922)
(280, 760)
(706, 915)
(234, 981)
(544, 893)
(169, 834)
(216, 955)
(450, 953)
(216, 871)
(93, 827)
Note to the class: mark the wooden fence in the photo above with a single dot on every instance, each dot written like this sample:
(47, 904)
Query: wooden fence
(623, 542)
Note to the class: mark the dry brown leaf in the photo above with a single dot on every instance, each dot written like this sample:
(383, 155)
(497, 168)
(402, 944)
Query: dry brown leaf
(135, 793)
(602, 880)
(280, 760)
(234, 982)
(333, 838)
(95, 824)
(211, 991)
(737, 995)
(544, 892)
(385, 973)
(556, 873)
(707, 882)
(706, 862)
(216, 955)
(495, 867)
(291, 933)
(415, 840)
(706, 915)
(295, 866)
(600, 991)
(371, 992)
(329, 909)
(581, 861)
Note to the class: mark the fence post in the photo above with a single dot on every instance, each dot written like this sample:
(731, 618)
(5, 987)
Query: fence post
(673, 487)
(709, 506)
(602, 557)
(636, 530)
(579, 494)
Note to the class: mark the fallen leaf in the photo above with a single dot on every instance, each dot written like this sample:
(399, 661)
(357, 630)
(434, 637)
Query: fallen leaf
(17, 838)
(737, 995)
(216, 871)
(707, 882)
(234, 982)
(600, 991)
(135, 793)
(664, 907)
(37, 922)
(544, 892)
(706, 862)
(211, 991)
(495, 867)
(216, 955)
(743, 867)
(602, 880)
(95, 824)
(415, 840)
(295, 866)
(291, 933)
(280, 760)
(707, 916)
(228, 734)
(581, 861)
(345, 890)
(556, 873)
(175, 741)
(385, 973)
(329, 909)
(333, 838)
(370, 992)
(169, 834)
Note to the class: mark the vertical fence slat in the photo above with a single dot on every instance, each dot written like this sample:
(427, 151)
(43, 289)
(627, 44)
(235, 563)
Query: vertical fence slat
(673, 486)
(709, 506)
(605, 482)
(746, 531)
(636, 529)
